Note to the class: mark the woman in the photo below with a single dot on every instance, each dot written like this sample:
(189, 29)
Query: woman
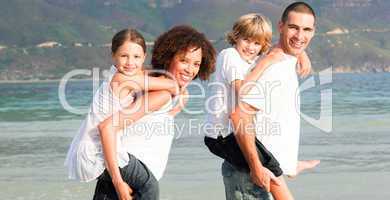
(184, 54)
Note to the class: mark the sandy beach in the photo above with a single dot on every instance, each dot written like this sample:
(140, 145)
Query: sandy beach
(311, 186)
(355, 157)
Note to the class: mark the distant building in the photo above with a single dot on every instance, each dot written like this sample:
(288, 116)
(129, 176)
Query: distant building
(2, 47)
(82, 44)
(337, 31)
(49, 44)
(163, 3)
(106, 45)
(350, 3)
(107, 3)
(152, 3)
(149, 43)
(77, 44)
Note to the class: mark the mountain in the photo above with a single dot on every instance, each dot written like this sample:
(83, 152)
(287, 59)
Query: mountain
(352, 35)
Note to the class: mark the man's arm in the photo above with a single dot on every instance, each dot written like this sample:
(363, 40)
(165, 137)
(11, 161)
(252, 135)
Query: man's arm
(243, 122)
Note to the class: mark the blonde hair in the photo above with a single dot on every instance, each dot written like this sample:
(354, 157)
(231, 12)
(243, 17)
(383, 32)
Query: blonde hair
(253, 26)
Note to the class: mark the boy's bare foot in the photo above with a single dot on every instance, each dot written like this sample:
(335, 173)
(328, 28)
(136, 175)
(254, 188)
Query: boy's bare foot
(305, 165)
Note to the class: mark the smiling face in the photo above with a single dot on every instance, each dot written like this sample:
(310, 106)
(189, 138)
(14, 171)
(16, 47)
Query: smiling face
(185, 66)
(129, 58)
(296, 33)
(248, 48)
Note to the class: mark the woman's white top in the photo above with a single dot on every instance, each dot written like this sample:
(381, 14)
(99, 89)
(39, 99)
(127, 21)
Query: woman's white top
(85, 158)
(150, 139)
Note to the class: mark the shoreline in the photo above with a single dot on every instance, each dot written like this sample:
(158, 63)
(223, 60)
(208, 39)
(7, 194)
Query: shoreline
(43, 81)
(90, 79)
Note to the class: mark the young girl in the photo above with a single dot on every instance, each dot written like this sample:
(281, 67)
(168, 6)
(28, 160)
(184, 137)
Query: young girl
(185, 54)
(87, 156)
(250, 38)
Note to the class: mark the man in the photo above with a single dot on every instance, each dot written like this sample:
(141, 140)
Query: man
(270, 113)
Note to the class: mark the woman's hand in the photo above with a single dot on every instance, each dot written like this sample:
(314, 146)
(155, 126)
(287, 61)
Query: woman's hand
(183, 99)
(123, 190)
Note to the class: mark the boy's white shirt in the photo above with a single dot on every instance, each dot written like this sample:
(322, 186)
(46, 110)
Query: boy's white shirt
(229, 67)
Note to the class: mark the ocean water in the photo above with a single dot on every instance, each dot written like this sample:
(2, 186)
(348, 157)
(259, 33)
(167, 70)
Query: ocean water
(35, 132)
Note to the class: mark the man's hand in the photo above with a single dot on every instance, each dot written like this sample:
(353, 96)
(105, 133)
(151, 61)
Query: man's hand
(123, 190)
(263, 177)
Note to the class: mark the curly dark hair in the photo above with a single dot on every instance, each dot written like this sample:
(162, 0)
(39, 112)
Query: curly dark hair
(179, 39)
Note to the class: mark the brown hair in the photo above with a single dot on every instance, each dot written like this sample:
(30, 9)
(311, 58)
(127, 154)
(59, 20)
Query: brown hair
(253, 26)
(124, 35)
(178, 40)
(300, 7)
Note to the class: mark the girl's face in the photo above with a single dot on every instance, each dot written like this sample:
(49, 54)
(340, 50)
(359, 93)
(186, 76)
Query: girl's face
(185, 66)
(248, 48)
(129, 58)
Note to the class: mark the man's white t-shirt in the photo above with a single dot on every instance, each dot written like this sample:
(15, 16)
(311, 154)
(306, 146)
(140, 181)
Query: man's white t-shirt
(276, 95)
(221, 98)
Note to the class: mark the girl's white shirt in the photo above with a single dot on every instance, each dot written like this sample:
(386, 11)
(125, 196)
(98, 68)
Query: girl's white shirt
(85, 158)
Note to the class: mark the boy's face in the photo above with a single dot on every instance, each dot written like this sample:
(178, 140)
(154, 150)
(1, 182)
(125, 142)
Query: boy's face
(296, 33)
(248, 48)
(129, 58)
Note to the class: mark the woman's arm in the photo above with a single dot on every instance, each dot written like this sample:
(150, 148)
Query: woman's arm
(304, 65)
(183, 99)
(109, 150)
(109, 128)
(147, 103)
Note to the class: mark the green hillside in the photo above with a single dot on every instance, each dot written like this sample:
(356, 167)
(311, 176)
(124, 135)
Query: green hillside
(26, 23)
(363, 47)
